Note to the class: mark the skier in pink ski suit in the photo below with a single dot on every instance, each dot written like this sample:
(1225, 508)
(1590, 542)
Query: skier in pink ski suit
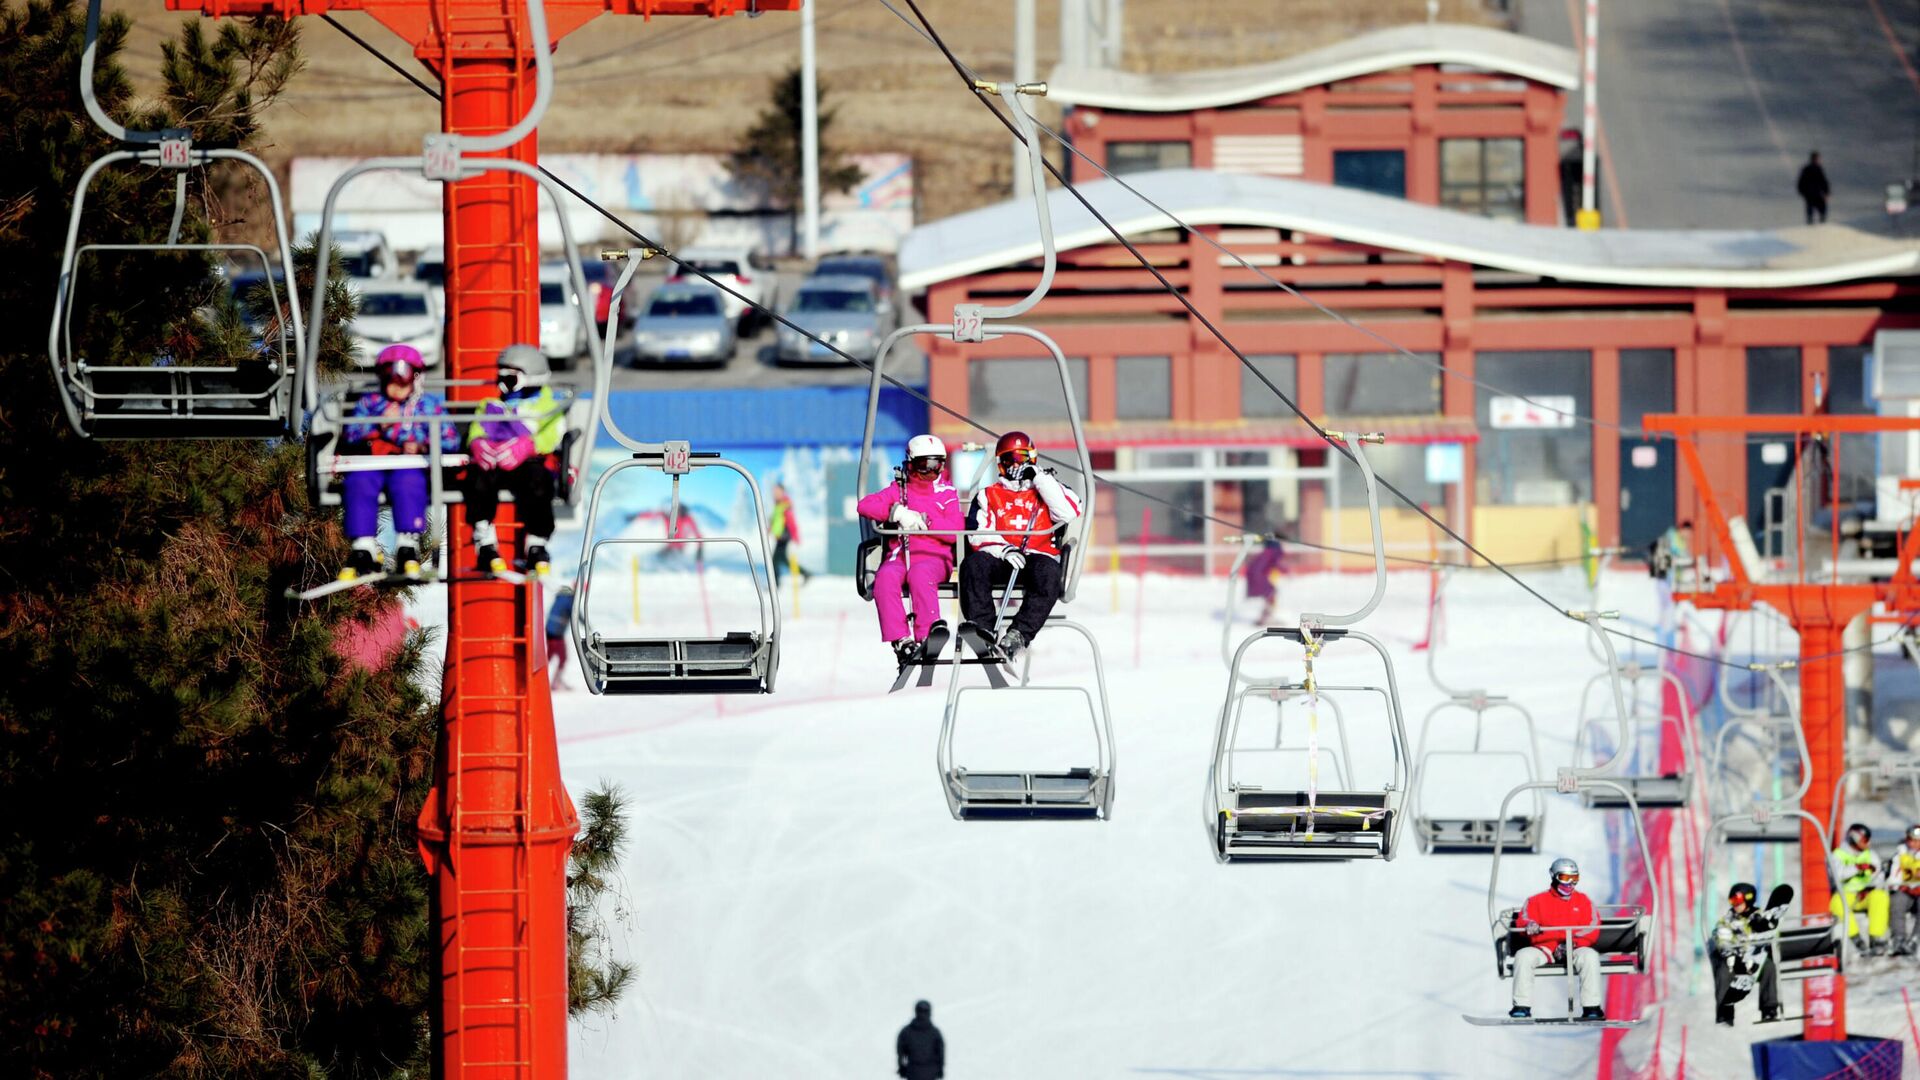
(920, 502)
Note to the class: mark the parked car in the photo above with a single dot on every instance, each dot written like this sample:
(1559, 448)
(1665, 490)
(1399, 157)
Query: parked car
(431, 267)
(749, 273)
(365, 253)
(875, 268)
(395, 311)
(843, 310)
(563, 335)
(685, 323)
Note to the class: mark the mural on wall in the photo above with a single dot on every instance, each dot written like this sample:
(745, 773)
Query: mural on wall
(682, 198)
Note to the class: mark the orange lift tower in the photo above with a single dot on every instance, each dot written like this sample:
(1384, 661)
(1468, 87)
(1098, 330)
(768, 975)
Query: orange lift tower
(1817, 592)
(498, 825)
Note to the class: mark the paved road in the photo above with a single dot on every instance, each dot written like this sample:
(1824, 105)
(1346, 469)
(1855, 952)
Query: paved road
(1709, 107)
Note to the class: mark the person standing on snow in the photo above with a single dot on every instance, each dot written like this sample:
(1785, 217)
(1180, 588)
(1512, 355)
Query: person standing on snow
(921, 500)
(785, 529)
(1903, 881)
(559, 617)
(920, 1051)
(1547, 918)
(512, 445)
(1034, 508)
(1813, 188)
(1261, 571)
(1855, 868)
(399, 397)
(1734, 957)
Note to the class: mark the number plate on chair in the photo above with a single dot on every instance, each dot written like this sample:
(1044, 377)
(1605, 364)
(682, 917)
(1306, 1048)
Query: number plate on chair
(677, 459)
(440, 157)
(176, 153)
(967, 323)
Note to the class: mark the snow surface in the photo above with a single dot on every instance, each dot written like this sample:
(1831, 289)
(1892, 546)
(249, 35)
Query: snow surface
(794, 881)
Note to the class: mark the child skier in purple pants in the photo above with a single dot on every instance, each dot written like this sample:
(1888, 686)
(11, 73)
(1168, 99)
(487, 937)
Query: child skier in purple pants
(399, 368)
(922, 501)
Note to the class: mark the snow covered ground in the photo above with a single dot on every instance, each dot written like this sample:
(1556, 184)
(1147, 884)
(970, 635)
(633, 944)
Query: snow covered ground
(794, 881)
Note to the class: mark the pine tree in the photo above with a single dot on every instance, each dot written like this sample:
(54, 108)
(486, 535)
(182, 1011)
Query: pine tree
(595, 980)
(769, 156)
(206, 859)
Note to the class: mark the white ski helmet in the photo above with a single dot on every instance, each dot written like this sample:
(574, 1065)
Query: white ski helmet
(1563, 867)
(925, 446)
(529, 361)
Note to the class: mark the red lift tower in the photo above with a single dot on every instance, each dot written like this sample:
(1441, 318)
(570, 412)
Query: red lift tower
(1818, 604)
(498, 825)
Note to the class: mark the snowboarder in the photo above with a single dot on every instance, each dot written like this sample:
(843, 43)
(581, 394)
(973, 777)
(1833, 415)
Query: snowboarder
(400, 397)
(1813, 188)
(1737, 962)
(1903, 881)
(512, 444)
(921, 500)
(1261, 570)
(559, 615)
(1856, 868)
(786, 532)
(1546, 918)
(1035, 508)
(920, 1051)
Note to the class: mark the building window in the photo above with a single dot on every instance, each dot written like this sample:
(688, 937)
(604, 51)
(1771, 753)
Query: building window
(1382, 384)
(1773, 386)
(1134, 157)
(1024, 391)
(1484, 176)
(1534, 451)
(1143, 387)
(1383, 172)
(1773, 379)
(1259, 402)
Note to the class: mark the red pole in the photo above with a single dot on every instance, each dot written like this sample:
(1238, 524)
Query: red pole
(1822, 701)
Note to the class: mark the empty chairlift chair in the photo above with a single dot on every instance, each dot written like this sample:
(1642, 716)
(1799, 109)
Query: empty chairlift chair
(1475, 835)
(163, 396)
(1252, 822)
(1769, 816)
(1651, 790)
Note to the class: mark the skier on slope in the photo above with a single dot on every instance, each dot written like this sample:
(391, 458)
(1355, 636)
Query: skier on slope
(399, 397)
(1903, 881)
(1737, 962)
(919, 1050)
(1033, 508)
(1555, 920)
(512, 444)
(1855, 868)
(920, 500)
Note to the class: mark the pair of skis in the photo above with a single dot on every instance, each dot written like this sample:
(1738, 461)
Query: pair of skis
(986, 652)
(386, 579)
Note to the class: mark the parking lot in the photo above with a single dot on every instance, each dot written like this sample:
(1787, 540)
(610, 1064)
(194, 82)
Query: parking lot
(752, 363)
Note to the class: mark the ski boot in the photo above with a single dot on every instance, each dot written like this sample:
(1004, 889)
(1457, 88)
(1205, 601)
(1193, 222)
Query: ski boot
(1767, 1016)
(487, 559)
(906, 653)
(1593, 1012)
(1723, 1015)
(406, 561)
(1012, 644)
(534, 560)
(363, 561)
(1520, 1012)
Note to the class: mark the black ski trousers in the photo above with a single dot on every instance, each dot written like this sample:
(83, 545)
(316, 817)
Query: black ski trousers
(1723, 978)
(532, 486)
(982, 577)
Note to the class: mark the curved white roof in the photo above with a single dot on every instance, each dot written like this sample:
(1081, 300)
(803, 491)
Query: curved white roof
(1006, 234)
(1475, 47)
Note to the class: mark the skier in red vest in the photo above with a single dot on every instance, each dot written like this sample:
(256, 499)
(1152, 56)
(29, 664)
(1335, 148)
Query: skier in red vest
(1023, 516)
(1546, 919)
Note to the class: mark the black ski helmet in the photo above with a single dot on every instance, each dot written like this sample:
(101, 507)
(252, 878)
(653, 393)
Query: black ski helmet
(1743, 891)
(1859, 834)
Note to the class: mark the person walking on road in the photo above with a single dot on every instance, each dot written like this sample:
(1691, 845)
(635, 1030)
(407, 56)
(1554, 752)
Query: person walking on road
(920, 1050)
(1813, 188)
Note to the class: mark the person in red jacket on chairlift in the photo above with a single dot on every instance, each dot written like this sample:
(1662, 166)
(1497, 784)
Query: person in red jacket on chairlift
(1546, 919)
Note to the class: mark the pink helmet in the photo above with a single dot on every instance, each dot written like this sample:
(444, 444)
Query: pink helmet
(399, 363)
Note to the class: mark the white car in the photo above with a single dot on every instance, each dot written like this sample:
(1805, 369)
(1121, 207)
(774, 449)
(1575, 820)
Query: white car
(431, 267)
(365, 253)
(563, 334)
(745, 271)
(395, 311)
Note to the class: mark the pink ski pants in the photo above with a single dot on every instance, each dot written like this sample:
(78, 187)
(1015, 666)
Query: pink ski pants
(923, 580)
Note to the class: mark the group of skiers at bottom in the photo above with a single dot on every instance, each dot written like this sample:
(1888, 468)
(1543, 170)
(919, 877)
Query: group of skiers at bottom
(1887, 893)
(511, 444)
(1013, 533)
(1557, 922)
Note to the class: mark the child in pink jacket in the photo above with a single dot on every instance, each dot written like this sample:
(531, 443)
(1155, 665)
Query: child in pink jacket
(922, 501)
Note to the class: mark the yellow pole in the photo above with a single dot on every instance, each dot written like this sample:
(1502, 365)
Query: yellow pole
(793, 575)
(1113, 575)
(636, 590)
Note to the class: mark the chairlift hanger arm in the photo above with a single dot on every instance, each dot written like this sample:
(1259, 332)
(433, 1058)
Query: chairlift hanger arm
(1576, 786)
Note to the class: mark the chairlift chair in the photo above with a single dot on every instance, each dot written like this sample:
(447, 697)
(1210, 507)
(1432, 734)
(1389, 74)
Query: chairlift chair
(1084, 791)
(159, 399)
(1655, 791)
(1471, 835)
(1247, 822)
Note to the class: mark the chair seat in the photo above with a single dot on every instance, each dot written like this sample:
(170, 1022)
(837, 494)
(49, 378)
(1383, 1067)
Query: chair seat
(1454, 836)
(184, 402)
(1074, 793)
(735, 663)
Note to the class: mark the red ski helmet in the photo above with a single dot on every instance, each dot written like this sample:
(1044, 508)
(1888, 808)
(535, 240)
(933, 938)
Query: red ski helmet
(1743, 892)
(1014, 448)
(398, 364)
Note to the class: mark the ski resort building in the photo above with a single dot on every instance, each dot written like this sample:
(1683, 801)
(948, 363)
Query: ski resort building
(1445, 115)
(1517, 333)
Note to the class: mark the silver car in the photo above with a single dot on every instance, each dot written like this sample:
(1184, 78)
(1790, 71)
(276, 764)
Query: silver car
(842, 310)
(395, 311)
(563, 333)
(684, 324)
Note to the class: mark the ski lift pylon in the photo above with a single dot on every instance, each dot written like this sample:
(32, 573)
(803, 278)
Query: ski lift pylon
(1248, 822)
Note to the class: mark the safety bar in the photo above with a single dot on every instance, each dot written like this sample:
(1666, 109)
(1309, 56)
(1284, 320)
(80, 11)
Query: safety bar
(1571, 785)
(1279, 693)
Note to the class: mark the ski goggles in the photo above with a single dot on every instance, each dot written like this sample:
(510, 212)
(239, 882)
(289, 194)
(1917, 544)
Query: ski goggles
(931, 463)
(1568, 880)
(1016, 457)
(509, 379)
